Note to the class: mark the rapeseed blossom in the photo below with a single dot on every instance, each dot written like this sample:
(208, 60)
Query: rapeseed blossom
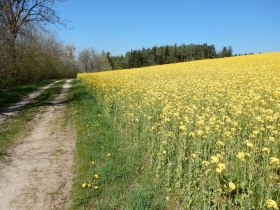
(201, 124)
(231, 186)
(271, 204)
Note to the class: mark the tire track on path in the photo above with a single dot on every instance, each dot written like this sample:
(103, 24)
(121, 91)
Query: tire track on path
(38, 172)
(10, 111)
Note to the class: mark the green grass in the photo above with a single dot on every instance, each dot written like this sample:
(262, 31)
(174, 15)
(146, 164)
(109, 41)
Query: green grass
(14, 95)
(18, 124)
(125, 182)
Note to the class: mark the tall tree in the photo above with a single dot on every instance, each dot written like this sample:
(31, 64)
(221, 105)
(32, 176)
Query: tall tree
(18, 16)
(91, 61)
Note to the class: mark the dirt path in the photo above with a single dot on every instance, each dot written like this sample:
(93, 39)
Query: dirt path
(13, 109)
(38, 172)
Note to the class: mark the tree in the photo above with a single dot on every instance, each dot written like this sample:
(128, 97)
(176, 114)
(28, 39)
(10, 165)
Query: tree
(226, 52)
(17, 17)
(85, 58)
(91, 61)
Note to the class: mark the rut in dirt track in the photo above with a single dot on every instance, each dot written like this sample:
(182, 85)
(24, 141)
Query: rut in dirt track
(10, 111)
(38, 172)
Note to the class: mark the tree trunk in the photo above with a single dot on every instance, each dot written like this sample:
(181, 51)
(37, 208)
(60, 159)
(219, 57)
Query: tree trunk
(13, 58)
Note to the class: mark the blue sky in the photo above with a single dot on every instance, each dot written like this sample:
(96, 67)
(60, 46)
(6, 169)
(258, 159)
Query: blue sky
(119, 26)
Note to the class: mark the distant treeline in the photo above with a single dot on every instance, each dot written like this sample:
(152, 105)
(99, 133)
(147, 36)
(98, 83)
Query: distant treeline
(158, 55)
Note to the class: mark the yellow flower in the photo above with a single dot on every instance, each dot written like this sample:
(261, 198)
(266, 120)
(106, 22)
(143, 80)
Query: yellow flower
(89, 185)
(219, 156)
(183, 128)
(265, 149)
(200, 132)
(249, 144)
(96, 187)
(241, 156)
(274, 161)
(92, 162)
(231, 186)
(221, 165)
(220, 143)
(205, 163)
(273, 176)
(227, 134)
(271, 139)
(220, 168)
(84, 185)
(164, 142)
(109, 154)
(271, 204)
(214, 159)
(194, 155)
(96, 176)
(200, 122)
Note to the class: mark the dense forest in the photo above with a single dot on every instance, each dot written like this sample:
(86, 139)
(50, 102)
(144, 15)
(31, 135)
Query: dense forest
(166, 54)
(91, 61)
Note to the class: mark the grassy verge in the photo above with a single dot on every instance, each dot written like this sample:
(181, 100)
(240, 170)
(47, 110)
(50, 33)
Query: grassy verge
(14, 95)
(18, 124)
(110, 171)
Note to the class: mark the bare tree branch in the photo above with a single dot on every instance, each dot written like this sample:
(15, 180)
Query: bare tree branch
(17, 15)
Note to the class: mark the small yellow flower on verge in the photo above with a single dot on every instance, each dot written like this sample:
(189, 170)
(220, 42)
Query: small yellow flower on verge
(200, 132)
(249, 144)
(194, 155)
(92, 162)
(219, 156)
(220, 168)
(214, 159)
(271, 204)
(220, 143)
(96, 176)
(274, 161)
(164, 142)
(84, 185)
(205, 163)
(265, 149)
(231, 186)
(183, 128)
(89, 185)
(96, 187)
(227, 134)
(271, 139)
(109, 154)
(241, 156)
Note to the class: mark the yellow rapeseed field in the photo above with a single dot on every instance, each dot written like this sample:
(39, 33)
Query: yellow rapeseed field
(211, 127)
